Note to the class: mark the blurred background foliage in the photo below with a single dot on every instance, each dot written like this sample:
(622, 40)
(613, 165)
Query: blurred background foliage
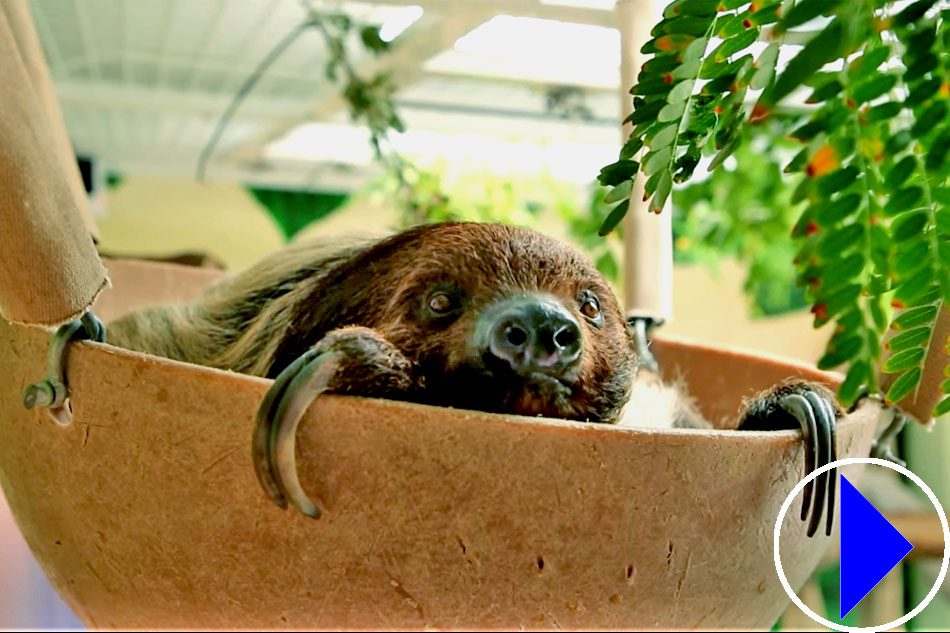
(744, 210)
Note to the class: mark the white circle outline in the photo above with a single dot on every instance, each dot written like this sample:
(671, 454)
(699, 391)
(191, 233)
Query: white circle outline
(847, 462)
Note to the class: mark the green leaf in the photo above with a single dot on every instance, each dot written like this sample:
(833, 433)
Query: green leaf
(371, 40)
(903, 386)
(937, 154)
(837, 180)
(922, 91)
(825, 91)
(651, 87)
(805, 10)
(798, 163)
(898, 141)
(620, 192)
(942, 408)
(725, 152)
(914, 317)
(811, 129)
(650, 186)
(873, 88)
(878, 316)
(821, 49)
(664, 137)
(765, 15)
(680, 91)
(857, 376)
(878, 285)
(915, 337)
(913, 13)
(915, 287)
(912, 258)
(733, 45)
(727, 26)
(831, 213)
(663, 187)
(630, 148)
(840, 240)
(712, 69)
(691, 7)
(843, 297)
(694, 52)
(941, 195)
(903, 360)
(765, 67)
(842, 271)
(929, 118)
(900, 173)
(882, 112)
(647, 111)
(942, 220)
(615, 173)
(667, 43)
(614, 218)
(658, 159)
(689, 24)
(671, 112)
(903, 200)
(663, 63)
(843, 349)
(920, 40)
(868, 62)
(908, 226)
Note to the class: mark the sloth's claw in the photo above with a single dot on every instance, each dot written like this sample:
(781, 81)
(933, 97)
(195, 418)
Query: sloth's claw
(275, 430)
(818, 423)
(804, 406)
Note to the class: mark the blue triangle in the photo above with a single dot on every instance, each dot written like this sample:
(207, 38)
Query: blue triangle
(870, 547)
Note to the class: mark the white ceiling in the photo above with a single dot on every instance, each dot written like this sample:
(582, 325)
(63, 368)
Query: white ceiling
(143, 83)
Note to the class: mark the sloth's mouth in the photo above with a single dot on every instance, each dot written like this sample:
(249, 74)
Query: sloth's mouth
(547, 382)
(491, 386)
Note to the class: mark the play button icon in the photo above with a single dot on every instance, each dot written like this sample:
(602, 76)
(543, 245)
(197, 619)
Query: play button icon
(870, 547)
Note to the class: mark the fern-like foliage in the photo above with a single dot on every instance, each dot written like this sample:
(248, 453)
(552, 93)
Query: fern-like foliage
(874, 235)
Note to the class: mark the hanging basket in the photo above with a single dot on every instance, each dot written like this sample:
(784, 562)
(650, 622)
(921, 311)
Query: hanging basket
(145, 511)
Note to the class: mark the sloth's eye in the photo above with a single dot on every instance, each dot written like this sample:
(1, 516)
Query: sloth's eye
(441, 303)
(590, 307)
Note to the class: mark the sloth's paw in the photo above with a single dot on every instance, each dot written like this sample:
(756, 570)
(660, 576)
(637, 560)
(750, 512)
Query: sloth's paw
(813, 409)
(352, 360)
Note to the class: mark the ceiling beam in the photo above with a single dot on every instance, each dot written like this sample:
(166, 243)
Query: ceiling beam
(430, 35)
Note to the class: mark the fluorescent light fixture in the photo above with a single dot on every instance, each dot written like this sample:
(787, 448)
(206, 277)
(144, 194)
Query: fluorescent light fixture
(402, 20)
(551, 41)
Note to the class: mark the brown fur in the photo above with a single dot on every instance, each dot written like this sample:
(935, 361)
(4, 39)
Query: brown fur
(262, 319)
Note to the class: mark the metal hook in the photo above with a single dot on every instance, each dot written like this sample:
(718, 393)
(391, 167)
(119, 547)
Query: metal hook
(52, 392)
(642, 326)
(881, 448)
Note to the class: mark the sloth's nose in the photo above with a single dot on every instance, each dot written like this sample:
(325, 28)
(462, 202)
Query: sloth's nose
(534, 334)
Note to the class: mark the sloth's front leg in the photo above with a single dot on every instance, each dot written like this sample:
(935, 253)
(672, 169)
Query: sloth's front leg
(813, 409)
(353, 360)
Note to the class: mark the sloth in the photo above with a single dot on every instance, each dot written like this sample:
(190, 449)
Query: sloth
(468, 315)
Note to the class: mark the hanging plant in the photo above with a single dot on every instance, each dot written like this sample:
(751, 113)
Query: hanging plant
(874, 235)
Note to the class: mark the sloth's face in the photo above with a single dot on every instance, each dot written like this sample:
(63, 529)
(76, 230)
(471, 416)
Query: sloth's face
(504, 319)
